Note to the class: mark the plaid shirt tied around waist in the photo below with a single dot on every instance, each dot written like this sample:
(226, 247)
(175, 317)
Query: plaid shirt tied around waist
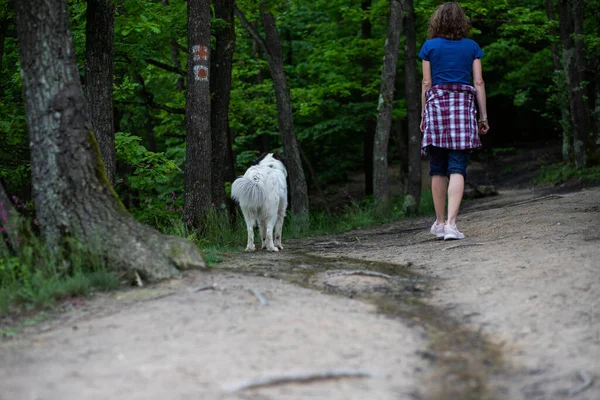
(450, 118)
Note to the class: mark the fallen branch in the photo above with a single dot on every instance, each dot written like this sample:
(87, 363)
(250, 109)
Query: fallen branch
(298, 377)
(212, 286)
(259, 296)
(360, 272)
(462, 245)
(587, 382)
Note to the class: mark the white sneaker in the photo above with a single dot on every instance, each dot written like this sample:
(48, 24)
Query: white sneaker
(452, 233)
(437, 230)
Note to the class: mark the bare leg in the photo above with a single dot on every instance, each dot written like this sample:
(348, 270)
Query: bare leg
(439, 188)
(456, 189)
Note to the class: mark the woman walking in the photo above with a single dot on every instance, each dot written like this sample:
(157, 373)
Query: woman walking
(449, 116)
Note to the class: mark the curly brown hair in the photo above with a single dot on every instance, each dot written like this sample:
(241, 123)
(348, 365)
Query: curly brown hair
(449, 21)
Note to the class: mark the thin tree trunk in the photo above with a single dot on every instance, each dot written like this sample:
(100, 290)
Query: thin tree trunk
(222, 161)
(370, 123)
(413, 107)
(570, 16)
(197, 116)
(99, 68)
(3, 30)
(272, 47)
(385, 108)
(9, 221)
(565, 123)
(72, 195)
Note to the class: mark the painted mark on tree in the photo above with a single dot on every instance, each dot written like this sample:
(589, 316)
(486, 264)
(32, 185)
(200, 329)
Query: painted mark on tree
(201, 72)
(200, 52)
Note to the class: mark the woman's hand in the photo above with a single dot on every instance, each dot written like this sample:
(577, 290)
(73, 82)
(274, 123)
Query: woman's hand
(422, 126)
(484, 126)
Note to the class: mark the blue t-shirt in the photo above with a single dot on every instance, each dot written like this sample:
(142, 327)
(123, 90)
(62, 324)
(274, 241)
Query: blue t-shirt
(451, 60)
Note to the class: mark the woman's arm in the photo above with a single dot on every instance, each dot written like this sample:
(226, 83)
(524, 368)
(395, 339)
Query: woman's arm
(426, 84)
(484, 126)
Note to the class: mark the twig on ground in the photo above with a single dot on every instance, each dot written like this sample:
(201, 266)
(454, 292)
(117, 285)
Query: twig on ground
(212, 286)
(297, 377)
(462, 245)
(587, 382)
(259, 296)
(360, 272)
(549, 197)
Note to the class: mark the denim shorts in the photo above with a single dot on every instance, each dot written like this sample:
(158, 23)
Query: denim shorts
(445, 162)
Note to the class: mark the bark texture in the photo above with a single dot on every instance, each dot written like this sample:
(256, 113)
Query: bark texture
(385, 107)
(413, 108)
(222, 60)
(72, 195)
(567, 136)
(366, 33)
(571, 22)
(9, 221)
(197, 114)
(99, 71)
(272, 47)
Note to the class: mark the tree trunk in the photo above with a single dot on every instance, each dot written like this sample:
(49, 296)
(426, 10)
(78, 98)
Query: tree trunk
(565, 123)
(385, 108)
(413, 108)
(222, 158)
(99, 67)
(370, 124)
(72, 194)
(9, 222)
(298, 187)
(570, 17)
(3, 30)
(272, 47)
(197, 114)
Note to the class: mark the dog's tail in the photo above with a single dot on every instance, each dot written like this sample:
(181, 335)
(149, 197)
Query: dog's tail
(248, 192)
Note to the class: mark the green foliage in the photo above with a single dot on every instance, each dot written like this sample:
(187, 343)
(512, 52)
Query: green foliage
(149, 169)
(36, 277)
(557, 174)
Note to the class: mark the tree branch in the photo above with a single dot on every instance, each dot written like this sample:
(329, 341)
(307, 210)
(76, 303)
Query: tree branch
(166, 67)
(251, 30)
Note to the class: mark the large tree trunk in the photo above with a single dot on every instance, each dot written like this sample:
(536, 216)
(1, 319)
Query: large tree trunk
(222, 155)
(370, 124)
(385, 108)
(571, 17)
(272, 47)
(99, 67)
(197, 114)
(72, 195)
(413, 108)
(565, 123)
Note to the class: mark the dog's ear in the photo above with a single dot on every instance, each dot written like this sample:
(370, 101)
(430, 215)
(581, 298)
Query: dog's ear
(259, 159)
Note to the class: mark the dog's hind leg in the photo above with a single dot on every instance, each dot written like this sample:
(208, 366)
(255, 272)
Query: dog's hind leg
(269, 234)
(263, 239)
(250, 228)
(279, 228)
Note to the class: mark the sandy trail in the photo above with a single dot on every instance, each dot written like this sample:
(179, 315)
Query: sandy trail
(526, 280)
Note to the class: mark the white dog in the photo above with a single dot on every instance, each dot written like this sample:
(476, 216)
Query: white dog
(262, 195)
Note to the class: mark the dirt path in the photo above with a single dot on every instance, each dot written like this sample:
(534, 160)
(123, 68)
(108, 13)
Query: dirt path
(512, 312)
